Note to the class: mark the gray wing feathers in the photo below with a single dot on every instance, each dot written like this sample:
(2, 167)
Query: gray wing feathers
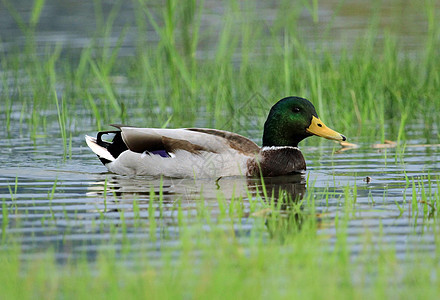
(193, 140)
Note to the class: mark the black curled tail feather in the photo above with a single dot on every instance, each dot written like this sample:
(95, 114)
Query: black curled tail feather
(116, 147)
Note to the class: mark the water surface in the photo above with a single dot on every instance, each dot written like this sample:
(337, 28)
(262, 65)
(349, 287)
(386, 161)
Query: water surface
(73, 206)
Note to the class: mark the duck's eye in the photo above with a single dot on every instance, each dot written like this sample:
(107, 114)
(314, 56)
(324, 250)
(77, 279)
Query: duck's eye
(296, 109)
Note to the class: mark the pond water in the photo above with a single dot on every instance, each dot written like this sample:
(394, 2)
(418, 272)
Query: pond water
(69, 205)
(64, 204)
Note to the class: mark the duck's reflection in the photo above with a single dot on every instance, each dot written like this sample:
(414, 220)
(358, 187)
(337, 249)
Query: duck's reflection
(286, 193)
(279, 196)
(286, 188)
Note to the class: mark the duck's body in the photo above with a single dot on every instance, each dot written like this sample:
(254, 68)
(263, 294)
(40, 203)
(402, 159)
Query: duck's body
(198, 152)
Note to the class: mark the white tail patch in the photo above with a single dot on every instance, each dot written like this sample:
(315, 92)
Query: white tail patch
(99, 150)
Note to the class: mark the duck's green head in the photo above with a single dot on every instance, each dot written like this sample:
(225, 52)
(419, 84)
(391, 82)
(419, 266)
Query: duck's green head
(291, 120)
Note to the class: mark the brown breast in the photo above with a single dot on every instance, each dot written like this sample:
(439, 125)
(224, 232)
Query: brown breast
(275, 161)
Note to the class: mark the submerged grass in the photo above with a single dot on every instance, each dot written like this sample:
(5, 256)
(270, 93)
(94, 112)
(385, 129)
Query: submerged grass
(282, 255)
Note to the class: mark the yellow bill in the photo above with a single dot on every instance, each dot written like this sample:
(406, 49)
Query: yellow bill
(317, 127)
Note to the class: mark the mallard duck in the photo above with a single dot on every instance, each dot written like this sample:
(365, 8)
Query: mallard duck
(200, 152)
